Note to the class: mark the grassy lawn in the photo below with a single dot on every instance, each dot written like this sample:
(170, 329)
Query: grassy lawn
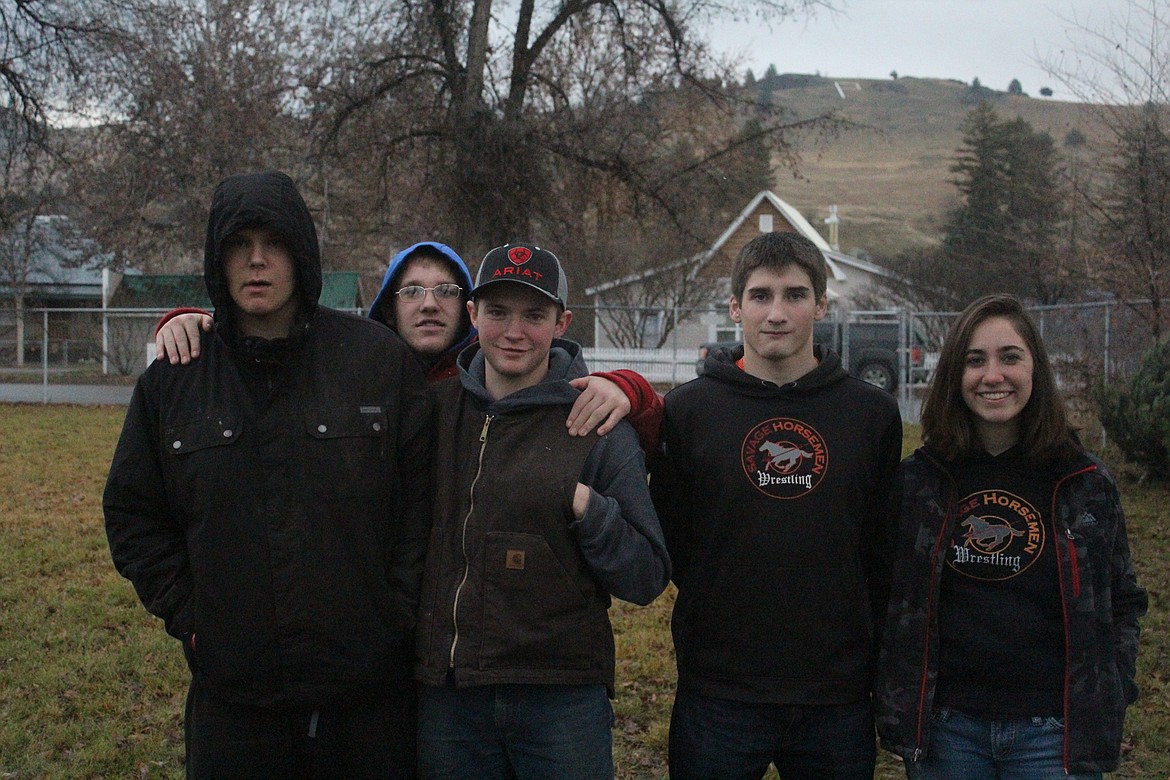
(91, 687)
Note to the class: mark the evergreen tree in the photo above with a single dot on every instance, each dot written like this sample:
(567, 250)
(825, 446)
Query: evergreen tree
(1137, 414)
(1015, 88)
(1004, 235)
(1136, 214)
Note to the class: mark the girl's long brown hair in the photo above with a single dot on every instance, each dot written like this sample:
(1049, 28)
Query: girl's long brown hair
(948, 425)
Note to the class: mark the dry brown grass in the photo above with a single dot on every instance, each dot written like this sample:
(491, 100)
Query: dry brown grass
(891, 180)
(91, 686)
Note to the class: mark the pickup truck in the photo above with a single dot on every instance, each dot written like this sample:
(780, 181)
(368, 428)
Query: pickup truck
(872, 353)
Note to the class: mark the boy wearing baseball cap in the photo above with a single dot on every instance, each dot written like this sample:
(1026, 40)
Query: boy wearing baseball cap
(533, 531)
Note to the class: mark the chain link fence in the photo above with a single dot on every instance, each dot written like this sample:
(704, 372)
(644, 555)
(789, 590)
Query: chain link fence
(1087, 342)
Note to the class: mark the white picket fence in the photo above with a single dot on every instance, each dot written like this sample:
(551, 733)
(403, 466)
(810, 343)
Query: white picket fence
(667, 366)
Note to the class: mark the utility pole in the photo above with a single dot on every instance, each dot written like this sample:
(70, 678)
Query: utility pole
(833, 221)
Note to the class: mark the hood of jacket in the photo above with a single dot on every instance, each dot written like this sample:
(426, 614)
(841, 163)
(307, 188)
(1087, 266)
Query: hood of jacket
(721, 366)
(269, 200)
(462, 274)
(565, 363)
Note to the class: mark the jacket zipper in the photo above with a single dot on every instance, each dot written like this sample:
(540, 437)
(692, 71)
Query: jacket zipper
(1076, 567)
(934, 566)
(463, 541)
(1076, 583)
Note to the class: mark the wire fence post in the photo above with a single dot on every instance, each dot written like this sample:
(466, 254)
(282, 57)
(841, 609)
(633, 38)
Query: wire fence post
(674, 346)
(1108, 339)
(45, 356)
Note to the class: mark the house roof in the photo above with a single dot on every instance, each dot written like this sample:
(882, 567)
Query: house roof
(638, 276)
(156, 291)
(794, 217)
(856, 262)
(835, 261)
(339, 290)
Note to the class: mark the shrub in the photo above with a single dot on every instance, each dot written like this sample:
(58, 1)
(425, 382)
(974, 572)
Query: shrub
(1136, 413)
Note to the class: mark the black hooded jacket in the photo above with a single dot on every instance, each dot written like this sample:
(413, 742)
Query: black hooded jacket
(771, 499)
(265, 500)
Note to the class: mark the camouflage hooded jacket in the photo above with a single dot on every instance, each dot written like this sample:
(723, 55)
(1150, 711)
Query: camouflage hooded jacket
(1100, 597)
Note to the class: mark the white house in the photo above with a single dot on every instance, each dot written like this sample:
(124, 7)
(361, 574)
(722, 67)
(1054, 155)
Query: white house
(634, 308)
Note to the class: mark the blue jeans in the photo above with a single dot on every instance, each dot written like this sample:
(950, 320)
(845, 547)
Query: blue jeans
(978, 749)
(734, 740)
(515, 731)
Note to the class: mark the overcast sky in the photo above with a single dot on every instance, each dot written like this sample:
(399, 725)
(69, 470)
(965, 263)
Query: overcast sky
(994, 40)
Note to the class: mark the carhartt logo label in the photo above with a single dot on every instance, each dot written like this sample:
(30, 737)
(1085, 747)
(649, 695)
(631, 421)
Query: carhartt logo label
(784, 458)
(999, 536)
(514, 559)
(519, 254)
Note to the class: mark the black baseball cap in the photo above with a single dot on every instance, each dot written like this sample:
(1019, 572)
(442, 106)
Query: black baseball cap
(526, 264)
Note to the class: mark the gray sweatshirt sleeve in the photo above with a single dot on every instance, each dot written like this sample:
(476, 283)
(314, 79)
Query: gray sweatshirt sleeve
(619, 534)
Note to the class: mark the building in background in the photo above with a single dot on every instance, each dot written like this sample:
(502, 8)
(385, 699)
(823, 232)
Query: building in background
(638, 310)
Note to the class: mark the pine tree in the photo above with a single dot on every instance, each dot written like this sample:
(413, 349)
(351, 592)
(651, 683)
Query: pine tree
(1004, 236)
(1137, 415)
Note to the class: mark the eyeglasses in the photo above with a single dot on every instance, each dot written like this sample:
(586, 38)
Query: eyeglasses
(443, 292)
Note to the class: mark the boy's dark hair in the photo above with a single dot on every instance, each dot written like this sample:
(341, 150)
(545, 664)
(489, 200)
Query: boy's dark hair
(948, 426)
(776, 251)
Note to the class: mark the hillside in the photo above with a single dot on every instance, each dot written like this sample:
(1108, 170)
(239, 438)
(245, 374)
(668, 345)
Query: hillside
(891, 181)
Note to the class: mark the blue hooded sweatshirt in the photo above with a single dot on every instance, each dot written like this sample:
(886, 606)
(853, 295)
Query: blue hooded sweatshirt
(443, 365)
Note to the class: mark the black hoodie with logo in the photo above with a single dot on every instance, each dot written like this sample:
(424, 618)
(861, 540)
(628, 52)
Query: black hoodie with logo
(268, 500)
(771, 500)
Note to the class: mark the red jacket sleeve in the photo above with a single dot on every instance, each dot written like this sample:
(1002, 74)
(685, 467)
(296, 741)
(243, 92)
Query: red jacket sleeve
(645, 406)
(170, 315)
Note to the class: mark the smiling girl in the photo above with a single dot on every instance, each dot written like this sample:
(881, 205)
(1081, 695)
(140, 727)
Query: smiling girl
(1010, 646)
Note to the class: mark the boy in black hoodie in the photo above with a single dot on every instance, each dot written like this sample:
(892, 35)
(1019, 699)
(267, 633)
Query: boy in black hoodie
(264, 501)
(774, 469)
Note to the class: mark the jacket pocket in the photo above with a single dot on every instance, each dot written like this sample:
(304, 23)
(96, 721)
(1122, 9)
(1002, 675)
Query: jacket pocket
(535, 613)
(200, 461)
(352, 440)
(190, 436)
(366, 422)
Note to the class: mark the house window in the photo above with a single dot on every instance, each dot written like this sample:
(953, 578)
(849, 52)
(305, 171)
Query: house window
(649, 328)
(728, 332)
(765, 223)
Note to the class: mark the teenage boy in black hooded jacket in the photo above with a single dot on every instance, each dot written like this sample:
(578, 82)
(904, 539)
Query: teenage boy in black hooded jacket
(265, 503)
(774, 471)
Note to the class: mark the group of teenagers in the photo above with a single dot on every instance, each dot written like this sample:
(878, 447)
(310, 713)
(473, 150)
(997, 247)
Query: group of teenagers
(388, 545)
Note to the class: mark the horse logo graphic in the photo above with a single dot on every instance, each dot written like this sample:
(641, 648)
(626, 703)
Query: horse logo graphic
(988, 534)
(785, 457)
(999, 535)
